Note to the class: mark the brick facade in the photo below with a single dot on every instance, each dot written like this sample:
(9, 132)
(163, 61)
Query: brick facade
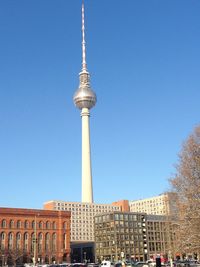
(123, 204)
(18, 228)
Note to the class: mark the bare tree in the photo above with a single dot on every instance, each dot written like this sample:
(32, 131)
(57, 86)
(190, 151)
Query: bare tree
(15, 256)
(186, 186)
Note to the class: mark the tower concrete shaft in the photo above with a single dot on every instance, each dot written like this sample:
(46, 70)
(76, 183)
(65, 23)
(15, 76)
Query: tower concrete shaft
(87, 189)
(85, 99)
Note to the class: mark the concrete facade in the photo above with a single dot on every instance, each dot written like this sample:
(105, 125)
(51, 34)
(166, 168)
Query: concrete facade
(82, 217)
(158, 205)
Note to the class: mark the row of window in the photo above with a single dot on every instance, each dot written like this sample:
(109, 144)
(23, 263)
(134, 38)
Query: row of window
(162, 199)
(82, 239)
(156, 246)
(153, 212)
(120, 237)
(87, 206)
(87, 211)
(127, 224)
(27, 224)
(148, 203)
(109, 251)
(25, 235)
(48, 239)
(116, 216)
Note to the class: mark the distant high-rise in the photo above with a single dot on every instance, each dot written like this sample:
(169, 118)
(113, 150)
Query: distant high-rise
(158, 205)
(82, 217)
(85, 99)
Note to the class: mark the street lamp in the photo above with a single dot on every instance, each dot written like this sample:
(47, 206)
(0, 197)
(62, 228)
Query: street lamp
(115, 248)
(35, 242)
(122, 256)
(85, 260)
(2, 260)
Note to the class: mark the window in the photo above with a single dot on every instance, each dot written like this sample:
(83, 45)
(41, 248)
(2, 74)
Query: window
(64, 241)
(47, 225)
(47, 242)
(40, 225)
(121, 223)
(126, 217)
(3, 236)
(54, 225)
(10, 241)
(18, 241)
(65, 225)
(25, 241)
(18, 237)
(19, 224)
(32, 242)
(26, 236)
(3, 224)
(116, 216)
(40, 238)
(54, 242)
(33, 224)
(2, 240)
(11, 224)
(26, 224)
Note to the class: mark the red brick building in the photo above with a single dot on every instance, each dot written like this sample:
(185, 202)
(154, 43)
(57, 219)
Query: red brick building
(28, 234)
(123, 204)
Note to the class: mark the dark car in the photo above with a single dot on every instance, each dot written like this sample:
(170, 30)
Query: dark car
(93, 265)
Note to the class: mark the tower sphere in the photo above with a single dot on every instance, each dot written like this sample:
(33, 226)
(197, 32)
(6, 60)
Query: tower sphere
(84, 97)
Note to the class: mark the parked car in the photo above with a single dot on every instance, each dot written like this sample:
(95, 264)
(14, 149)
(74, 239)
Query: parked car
(79, 265)
(107, 264)
(140, 264)
(93, 265)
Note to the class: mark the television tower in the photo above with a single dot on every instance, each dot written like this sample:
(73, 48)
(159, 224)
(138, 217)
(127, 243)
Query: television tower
(85, 99)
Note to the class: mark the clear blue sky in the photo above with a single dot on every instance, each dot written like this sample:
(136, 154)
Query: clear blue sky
(144, 60)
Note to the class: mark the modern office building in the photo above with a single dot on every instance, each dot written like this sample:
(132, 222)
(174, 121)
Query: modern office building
(30, 235)
(82, 217)
(162, 236)
(134, 236)
(121, 235)
(158, 205)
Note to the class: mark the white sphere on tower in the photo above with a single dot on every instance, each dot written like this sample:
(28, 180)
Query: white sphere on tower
(84, 99)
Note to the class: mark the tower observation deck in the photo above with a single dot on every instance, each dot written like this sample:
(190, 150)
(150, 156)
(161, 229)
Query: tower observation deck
(84, 99)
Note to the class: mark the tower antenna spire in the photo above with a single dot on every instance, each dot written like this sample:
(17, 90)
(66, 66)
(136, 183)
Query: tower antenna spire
(84, 65)
(84, 99)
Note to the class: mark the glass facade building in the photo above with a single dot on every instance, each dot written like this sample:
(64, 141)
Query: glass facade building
(120, 235)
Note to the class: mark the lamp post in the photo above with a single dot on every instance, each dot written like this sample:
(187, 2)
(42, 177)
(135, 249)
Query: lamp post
(115, 242)
(115, 249)
(35, 242)
(2, 260)
(85, 260)
(122, 256)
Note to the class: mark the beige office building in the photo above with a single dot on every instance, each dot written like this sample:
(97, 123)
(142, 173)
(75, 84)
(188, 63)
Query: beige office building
(82, 217)
(158, 205)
